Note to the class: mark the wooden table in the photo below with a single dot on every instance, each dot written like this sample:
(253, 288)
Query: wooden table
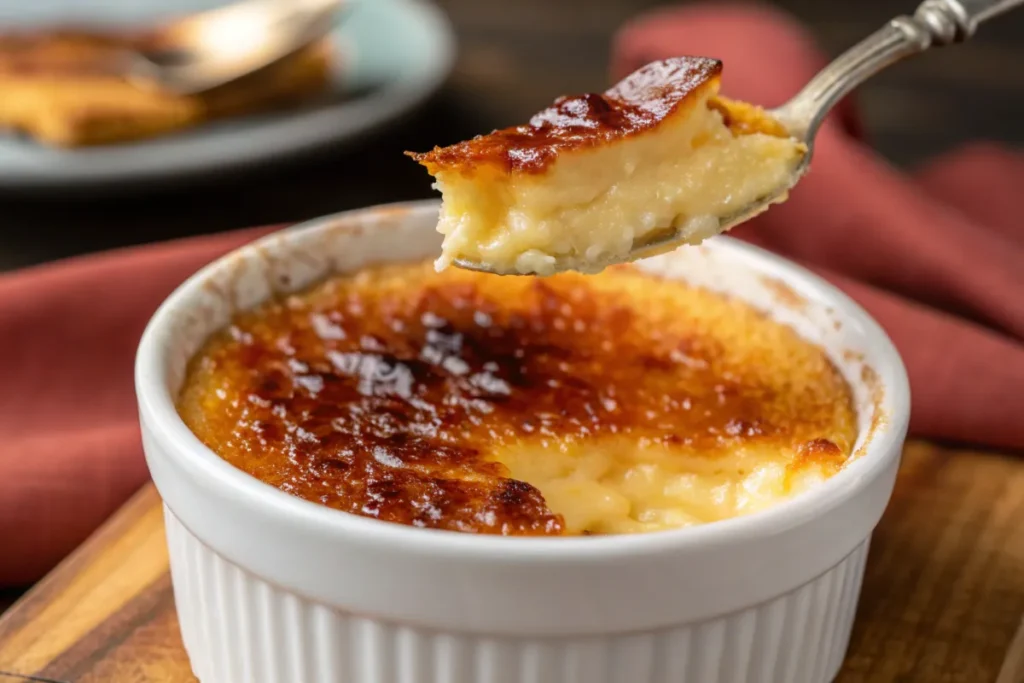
(515, 58)
(943, 595)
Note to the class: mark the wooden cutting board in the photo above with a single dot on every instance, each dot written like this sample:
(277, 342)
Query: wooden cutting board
(943, 595)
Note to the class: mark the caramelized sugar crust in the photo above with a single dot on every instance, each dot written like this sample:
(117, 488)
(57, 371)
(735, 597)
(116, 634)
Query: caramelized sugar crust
(390, 393)
(639, 103)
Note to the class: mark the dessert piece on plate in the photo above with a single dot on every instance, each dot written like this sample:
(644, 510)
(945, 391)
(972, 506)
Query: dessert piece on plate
(66, 88)
(592, 175)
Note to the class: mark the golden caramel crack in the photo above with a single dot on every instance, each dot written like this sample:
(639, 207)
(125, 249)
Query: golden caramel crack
(519, 406)
(638, 104)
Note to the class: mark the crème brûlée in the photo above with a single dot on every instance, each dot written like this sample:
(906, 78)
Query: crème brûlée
(592, 175)
(615, 403)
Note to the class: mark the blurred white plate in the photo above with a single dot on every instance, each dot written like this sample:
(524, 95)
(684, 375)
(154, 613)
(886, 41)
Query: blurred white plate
(394, 53)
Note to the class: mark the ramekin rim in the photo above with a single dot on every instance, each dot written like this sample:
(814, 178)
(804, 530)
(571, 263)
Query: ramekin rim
(157, 410)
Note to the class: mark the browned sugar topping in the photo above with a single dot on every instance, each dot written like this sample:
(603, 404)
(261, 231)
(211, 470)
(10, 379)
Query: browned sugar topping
(637, 104)
(387, 394)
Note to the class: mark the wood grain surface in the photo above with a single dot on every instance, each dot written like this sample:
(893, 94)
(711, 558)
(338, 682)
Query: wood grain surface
(942, 601)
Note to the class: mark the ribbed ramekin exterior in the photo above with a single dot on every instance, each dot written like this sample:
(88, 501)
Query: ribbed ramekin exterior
(238, 628)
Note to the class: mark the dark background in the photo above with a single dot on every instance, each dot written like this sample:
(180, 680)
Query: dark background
(515, 56)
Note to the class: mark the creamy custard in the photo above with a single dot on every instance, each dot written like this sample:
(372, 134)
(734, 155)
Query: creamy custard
(593, 174)
(614, 403)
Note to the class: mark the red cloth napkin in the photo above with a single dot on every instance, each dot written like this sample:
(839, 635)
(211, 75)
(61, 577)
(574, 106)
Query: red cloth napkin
(937, 257)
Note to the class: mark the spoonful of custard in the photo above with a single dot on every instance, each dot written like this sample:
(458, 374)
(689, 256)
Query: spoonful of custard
(658, 161)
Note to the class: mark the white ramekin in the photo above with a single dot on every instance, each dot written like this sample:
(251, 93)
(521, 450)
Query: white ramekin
(274, 589)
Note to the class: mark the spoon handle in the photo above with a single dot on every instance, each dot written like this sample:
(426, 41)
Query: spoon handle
(934, 23)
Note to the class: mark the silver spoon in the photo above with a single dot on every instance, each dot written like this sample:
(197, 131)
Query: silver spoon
(207, 50)
(935, 23)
